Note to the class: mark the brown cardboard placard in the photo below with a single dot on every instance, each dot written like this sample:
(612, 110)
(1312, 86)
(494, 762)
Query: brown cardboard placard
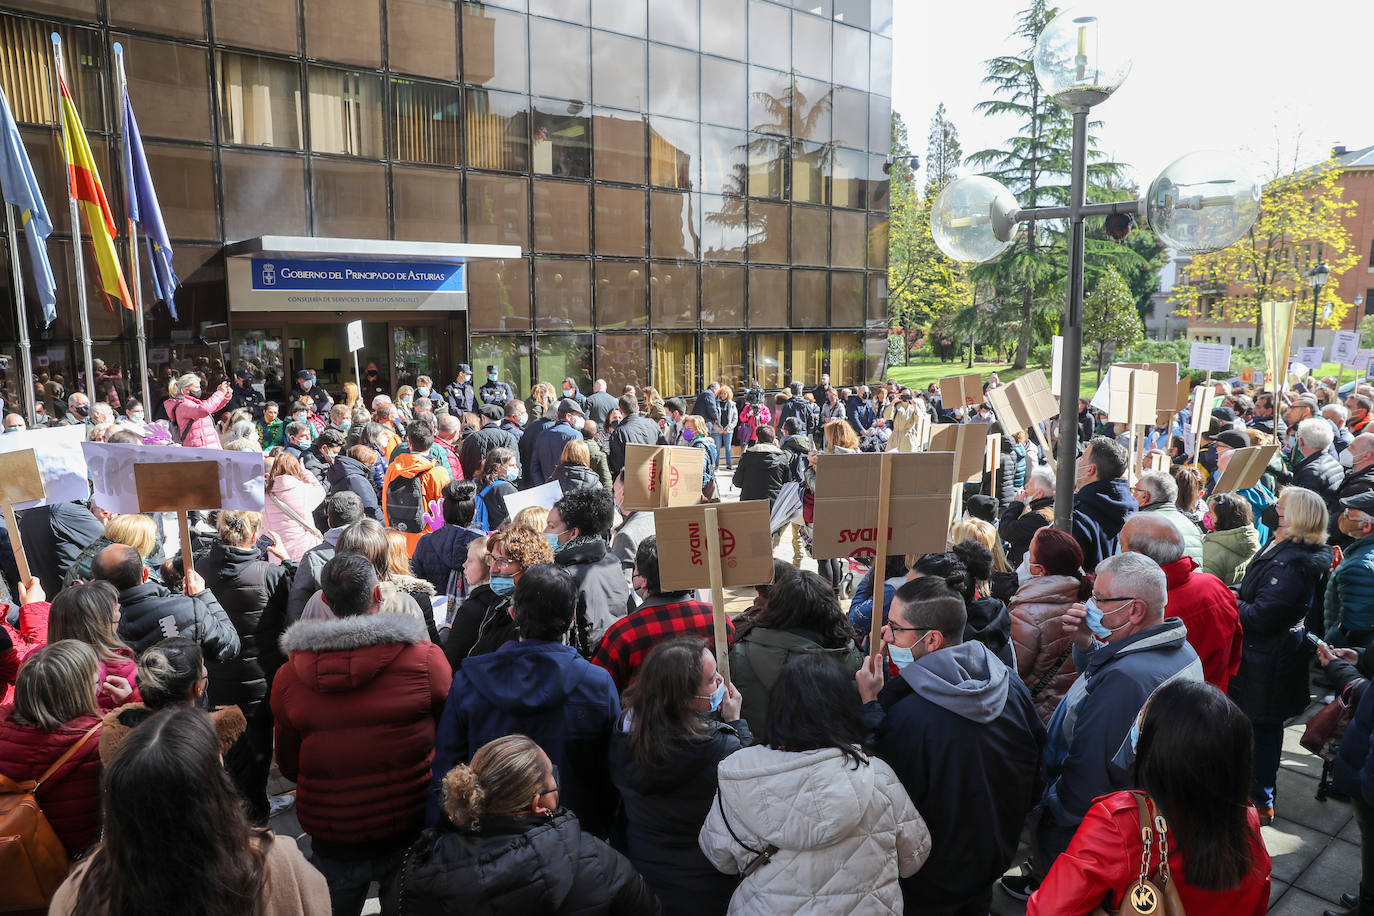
(992, 457)
(967, 441)
(20, 482)
(746, 548)
(961, 391)
(1133, 395)
(661, 476)
(846, 513)
(1172, 391)
(1157, 461)
(1245, 468)
(172, 486)
(1023, 403)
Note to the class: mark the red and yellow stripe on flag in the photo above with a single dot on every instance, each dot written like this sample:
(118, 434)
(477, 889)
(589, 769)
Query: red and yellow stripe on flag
(85, 187)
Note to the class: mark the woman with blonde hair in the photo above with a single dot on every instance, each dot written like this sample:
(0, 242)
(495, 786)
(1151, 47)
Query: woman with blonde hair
(531, 518)
(292, 495)
(537, 404)
(351, 397)
(575, 467)
(88, 612)
(254, 595)
(840, 438)
(189, 416)
(54, 711)
(1286, 578)
(399, 571)
(696, 432)
(136, 530)
(1002, 582)
(507, 844)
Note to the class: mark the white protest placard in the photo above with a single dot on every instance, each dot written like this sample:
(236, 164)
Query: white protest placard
(1362, 358)
(355, 336)
(1056, 360)
(1297, 367)
(1210, 357)
(60, 461)
(544, 495)
(1311, 357)
(113, 486)
(1345, 346)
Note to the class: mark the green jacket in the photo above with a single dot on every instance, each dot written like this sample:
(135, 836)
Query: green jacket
(1225, 554)
(757, 660)
(599, 463)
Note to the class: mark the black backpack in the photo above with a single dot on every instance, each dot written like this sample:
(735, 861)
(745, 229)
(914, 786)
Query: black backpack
(405, 504)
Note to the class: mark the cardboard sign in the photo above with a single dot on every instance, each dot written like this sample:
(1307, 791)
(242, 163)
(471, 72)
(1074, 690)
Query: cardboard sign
(1172, 391)
(1210, 357)
(60, 462)
(544, 496)
(1345, 346)
(114, 486)
(172, 486)
(159, 355)
(1200, 410)
(1311, 357)
(746, 550)
(1133, 395)
(1023, 403)
(1245, 468)
(967, 441)
(847, 502)
(661, 476)
(20, 482)
(1157, 461)
(961, 391)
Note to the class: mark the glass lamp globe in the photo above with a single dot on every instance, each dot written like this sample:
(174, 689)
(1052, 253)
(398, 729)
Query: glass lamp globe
(1077, 62)
(1202, 201)
(973, 219)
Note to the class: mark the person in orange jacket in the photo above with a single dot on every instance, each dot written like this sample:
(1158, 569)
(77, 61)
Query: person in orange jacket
(411, 483)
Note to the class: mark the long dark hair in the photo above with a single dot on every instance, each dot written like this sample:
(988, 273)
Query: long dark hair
(807, 602)
(177, 839)
(660, 700)
(815, 704)
(1194, 757)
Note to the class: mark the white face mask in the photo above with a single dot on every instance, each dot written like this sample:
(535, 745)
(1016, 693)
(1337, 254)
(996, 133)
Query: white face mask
(1347, 458)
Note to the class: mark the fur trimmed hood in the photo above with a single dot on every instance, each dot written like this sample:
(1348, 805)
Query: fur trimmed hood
(346, 633)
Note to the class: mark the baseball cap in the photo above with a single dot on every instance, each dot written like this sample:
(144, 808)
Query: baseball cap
(464, 367)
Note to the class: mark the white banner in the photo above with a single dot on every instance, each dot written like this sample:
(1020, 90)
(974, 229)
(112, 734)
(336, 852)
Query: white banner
(111, 468)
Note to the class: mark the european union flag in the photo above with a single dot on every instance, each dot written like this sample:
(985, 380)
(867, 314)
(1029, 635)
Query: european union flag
(21, 189)
(144, 210)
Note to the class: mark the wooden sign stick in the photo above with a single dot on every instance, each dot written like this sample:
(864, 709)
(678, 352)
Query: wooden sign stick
(17, 542)
(717, 593)
(875, 637)
(1041, 436)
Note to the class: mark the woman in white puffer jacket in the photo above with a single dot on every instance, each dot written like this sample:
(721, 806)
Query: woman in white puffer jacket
(813, 824)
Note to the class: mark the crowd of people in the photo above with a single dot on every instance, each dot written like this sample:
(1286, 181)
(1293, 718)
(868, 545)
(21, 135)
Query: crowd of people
(509, 713)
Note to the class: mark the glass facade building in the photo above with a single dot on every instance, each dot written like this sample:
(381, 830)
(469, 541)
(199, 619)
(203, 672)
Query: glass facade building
(697, 187)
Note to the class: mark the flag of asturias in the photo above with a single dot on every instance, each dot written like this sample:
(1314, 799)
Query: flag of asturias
(145, 210)
(86, 188)
(20, 188)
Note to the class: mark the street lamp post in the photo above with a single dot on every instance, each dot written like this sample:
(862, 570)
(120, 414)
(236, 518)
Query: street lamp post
(1317, 276)
(1202, 201)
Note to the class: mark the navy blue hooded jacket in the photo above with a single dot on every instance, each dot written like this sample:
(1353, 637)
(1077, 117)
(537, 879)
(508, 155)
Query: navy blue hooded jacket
(545, 690)
(1100, 509)
(441, 553)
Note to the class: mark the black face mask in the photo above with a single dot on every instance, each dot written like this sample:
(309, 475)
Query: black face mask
(82, 411)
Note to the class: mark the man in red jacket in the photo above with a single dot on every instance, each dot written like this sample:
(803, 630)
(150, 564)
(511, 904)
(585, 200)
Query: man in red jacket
(356, 705)
(1201, 600)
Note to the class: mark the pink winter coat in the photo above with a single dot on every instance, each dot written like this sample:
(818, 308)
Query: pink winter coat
(302, 496)
(126, 668)
(200, 432)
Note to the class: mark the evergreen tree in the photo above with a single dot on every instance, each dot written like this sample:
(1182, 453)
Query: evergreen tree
(943, 153)
(1110, 318)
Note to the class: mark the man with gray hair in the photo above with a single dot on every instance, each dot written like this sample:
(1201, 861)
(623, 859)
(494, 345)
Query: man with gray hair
(1157, 493)
(1314, 467)
(1031, 510)
(1202, 601)
(1349, 605)
(1358, 479)
(1337, 415)
(1125, 648)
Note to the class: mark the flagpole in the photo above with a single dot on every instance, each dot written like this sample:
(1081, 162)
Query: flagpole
(27, 394)
(77, 260)
(135, 287)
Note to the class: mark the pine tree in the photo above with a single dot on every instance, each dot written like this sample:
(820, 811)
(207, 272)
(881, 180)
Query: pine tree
(943, 153)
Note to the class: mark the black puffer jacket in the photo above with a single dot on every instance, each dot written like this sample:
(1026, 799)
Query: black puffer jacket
(253, 594)
(990, 624)
(1280, 585)
(481, 624)
(664, 808)
(148, 613)
(577, 477)
(54, 537)
(351, 474)
(518, 865)
(1322, 474)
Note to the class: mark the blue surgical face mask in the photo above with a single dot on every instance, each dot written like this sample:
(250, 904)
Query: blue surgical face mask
(716, 697)
(901, 657)
(422, 392)
(552, 539)
(491, 376)
(1094, 621)
(512, 473)
(1135, 734)
(346, 425)
(136, 416)
(502, 585)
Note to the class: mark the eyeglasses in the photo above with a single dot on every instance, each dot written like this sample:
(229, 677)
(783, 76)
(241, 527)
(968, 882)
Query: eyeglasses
(1099, 599)
(896, 629)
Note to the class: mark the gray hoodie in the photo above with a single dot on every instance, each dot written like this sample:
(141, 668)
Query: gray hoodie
(967, 679)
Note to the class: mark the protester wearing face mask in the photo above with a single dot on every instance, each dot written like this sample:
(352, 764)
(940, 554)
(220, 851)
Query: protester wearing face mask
(1358, 459)
(483, 622)
(306, 387)
(78, 410)
(190, 416)
(960, 731)
(495, 480)
(1231, 538)
(1125, 648)
(547, 450)
(1102, 501)
(133, 417)
(696, 432)
(14, 423)
(1044, 656)
(576, 530)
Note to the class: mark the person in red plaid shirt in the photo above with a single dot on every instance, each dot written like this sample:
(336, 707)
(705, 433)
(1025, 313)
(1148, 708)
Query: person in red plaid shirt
(662, 616)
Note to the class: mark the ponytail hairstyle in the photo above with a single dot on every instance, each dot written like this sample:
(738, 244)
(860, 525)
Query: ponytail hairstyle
(504, 777)
(168, 671)
(1060, 555)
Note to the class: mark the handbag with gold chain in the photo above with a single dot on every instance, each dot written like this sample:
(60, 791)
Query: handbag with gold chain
(1154, 892)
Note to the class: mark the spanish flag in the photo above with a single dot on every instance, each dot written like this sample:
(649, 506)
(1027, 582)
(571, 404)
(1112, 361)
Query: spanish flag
(84, 184)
